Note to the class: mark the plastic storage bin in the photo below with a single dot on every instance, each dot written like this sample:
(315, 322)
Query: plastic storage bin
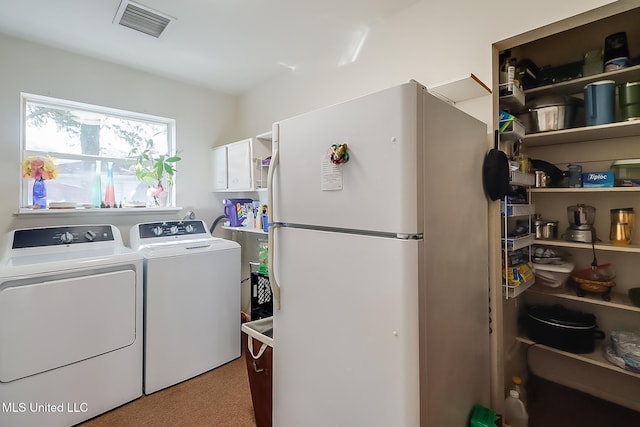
(257, 337)
(626, 173)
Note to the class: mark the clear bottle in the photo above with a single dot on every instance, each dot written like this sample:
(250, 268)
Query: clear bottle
(515, 414)
(251, 219)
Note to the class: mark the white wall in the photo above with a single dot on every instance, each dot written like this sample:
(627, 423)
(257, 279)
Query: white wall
(203, 119)
(431, 42)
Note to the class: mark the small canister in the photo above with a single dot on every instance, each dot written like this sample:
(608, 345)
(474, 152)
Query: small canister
(622, 222)
(541, 179)
(629, 100)
(575, 176)
(623, 215)
(616, 52)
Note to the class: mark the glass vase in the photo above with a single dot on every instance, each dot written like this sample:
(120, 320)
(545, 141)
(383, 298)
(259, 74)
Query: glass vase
(39, 194)
(109, 192)
(96, 192)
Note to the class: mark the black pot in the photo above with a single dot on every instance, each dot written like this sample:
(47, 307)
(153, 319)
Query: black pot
(561, 328)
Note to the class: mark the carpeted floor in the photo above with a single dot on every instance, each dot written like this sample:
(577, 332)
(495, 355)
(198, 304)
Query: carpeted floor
(218, 398)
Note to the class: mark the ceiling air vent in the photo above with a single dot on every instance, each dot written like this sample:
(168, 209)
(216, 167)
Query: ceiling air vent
(142, 18)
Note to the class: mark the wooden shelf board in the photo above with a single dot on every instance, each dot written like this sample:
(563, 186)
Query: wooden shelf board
(618, 300)
(460, 89)
(595, 358)
(582, 134)
(633, 248)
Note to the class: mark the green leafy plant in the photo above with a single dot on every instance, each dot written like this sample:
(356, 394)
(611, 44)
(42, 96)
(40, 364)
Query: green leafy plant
(152, 167)
(155, 168)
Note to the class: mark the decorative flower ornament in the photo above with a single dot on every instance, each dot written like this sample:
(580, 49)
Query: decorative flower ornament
(39, 168)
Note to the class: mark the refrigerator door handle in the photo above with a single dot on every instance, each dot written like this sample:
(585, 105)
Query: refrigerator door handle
(275, 288)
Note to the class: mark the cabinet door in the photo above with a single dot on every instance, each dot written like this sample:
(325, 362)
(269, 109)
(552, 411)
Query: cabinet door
(239, 170)
(219, 162)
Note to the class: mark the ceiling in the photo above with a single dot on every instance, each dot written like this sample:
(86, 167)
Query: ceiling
(226, 45)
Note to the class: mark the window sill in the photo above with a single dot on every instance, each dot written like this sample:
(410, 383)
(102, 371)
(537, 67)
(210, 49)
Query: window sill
(96, 211)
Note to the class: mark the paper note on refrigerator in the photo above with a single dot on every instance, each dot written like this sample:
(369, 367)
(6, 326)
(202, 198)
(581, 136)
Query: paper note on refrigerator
(330, 175)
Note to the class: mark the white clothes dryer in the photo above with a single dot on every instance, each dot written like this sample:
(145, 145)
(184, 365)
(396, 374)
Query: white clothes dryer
(70, 324)
(191, 300)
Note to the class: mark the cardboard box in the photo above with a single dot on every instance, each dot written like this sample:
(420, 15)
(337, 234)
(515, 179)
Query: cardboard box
(597, 179)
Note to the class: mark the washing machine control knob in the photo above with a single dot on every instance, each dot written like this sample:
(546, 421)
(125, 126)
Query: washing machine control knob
(189, 228)
(90, 236)
(66, 237)
(174, 229)
(157, 230)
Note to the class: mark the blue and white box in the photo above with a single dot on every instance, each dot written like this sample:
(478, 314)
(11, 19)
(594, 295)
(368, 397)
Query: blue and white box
(597, 179)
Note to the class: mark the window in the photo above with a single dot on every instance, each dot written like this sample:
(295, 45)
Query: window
(95, 149)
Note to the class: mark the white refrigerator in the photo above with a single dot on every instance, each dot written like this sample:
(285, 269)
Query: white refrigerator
(379, 264)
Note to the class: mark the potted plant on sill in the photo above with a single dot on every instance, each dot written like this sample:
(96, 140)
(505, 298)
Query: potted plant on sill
(157, 170)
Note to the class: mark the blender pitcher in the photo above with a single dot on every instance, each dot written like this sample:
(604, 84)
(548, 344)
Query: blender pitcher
(581, 219)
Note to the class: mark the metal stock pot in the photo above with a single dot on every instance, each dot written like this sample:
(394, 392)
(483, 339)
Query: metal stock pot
(546, 229)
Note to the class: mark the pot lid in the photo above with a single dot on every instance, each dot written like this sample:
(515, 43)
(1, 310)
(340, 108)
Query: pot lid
(553, 101)
(561, 316)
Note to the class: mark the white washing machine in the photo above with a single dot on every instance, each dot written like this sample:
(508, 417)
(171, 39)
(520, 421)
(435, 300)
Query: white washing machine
(70, 324)
(191, 300)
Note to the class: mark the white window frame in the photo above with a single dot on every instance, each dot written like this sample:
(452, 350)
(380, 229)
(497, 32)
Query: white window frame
(62, 103)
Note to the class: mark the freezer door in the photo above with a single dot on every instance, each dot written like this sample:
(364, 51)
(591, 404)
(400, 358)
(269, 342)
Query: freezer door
(346, 335)
(376, 189)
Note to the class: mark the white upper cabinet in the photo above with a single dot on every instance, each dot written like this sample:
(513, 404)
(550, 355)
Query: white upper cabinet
(219, 163)
(239, 166)
(239, 170)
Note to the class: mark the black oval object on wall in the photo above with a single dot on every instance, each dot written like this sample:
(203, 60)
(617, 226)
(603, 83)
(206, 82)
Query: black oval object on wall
(495, 173)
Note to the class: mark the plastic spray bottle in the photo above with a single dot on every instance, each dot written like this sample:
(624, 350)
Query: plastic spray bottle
(515, 414)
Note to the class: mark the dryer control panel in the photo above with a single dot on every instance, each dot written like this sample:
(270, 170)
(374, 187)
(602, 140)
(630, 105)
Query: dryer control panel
(171, 228)
(66, 235)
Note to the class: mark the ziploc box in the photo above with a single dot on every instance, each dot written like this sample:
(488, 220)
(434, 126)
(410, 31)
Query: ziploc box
(597, 179)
